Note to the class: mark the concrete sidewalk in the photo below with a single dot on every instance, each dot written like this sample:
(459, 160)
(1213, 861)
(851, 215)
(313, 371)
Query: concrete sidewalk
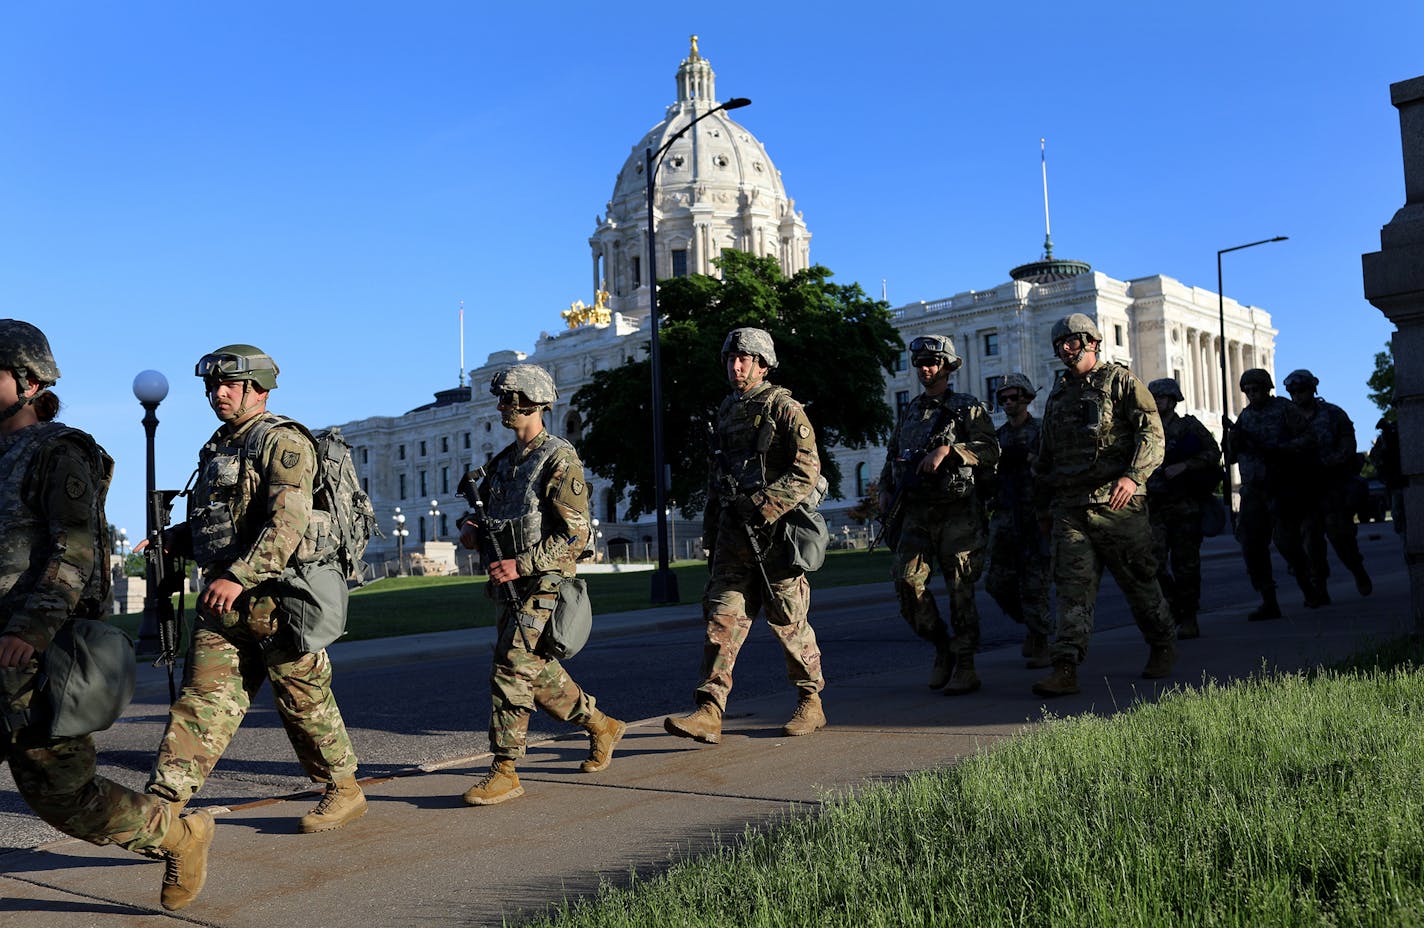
(421, 856)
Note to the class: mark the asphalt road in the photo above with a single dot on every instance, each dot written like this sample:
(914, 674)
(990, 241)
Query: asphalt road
(432, 713)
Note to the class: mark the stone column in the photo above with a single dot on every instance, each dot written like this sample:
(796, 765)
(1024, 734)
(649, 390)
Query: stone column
(1394, 283)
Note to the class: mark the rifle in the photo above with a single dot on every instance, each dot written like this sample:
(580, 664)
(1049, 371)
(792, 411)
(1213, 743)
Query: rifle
(164, 577)
(489, 546)
(729, 490)
(890, 522)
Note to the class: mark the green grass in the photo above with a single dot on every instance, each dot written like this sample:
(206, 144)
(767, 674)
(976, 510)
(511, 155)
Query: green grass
(414, 605)
(1291, 800)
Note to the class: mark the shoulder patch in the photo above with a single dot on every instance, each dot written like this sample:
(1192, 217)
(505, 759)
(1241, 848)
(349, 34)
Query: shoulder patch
(803, 431)
(290, 458)
(576, 487)
(75, 488)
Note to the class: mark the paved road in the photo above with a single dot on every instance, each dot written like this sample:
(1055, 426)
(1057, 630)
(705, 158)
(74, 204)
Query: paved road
(433, 712)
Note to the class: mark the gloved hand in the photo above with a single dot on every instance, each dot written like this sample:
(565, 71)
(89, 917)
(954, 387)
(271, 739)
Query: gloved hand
(748, 511)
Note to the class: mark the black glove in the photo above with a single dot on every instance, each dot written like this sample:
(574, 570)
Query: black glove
(748, 511)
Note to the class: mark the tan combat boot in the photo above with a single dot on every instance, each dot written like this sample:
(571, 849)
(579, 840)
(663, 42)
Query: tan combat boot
(1062, 682)
(943, 667)
(499, 784)
(185, 849)
(1035, 649)
(604, 732)
(965, 680)
(807, 718)
(343, 802)
(1159, 662)
(701, 724)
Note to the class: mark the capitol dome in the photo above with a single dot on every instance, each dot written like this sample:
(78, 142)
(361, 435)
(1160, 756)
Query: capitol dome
(716, 189)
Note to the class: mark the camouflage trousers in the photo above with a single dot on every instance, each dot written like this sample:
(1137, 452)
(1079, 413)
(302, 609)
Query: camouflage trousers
(226, 667)
(521, 679)
(734, 595)
(1085, 540)
(58, 779)
(1332, 518)
(954, 537)
(1264, 517)
(1176, 543)
(1020, 573)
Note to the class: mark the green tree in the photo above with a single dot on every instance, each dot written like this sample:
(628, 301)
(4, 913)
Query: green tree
(1381, 382)
(834, 346)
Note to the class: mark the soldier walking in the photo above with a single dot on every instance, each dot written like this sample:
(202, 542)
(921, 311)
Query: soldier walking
(1020, 573)
(1190, 471)
(766, 448)
(1333, 514)
(54, 569)
(250, 518)
(536, 524)
(933, 510)
(1102, 438)
(1275, 446)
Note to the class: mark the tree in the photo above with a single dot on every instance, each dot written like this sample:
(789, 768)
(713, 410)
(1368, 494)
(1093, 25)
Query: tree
(1381, 382)
(834, 346)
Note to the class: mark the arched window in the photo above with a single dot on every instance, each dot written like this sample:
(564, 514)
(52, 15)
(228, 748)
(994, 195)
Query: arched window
(573, 426)
(860, 484)
(610, 505)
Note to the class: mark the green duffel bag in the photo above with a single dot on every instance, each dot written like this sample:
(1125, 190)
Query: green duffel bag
(88, 677)
(804, 532)
(311, 599)
(567, 631)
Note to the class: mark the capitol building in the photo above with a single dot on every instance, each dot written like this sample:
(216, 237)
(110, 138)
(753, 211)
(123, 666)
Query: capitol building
(718, 189)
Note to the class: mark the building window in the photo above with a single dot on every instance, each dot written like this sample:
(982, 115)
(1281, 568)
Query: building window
(902, 361)
(401, 478)
(1117, 335)
(366, 485)
(365, 455)
(637, 272)
(444, 444)
(467, 439)
(992, 385)
(860, 485)
(422, 449)
(487, 425)
(573, 426)
(444, 482)
(679, 262)
(902, 399)
(421, 523)
(444, 525)
(610, 506)
(424, 490)
(991, 344)
(400, 452)
(1177, 375)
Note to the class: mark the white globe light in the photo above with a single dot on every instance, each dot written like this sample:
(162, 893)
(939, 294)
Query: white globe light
(150, 387)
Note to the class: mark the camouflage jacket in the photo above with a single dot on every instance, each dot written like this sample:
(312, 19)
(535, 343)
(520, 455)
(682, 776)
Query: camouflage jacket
(1335, 438)
(1190, 443)
(771, 447)
(268, 500)
(54, 541)
(1272, 440)
(1096, 429)
(1018, 449)
(549, 501)
(954, 420)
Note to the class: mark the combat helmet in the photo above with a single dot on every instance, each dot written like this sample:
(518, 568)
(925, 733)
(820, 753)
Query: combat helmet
(748, 340)
(1076, 324)
(1166, 386)
(1257, 376)
(934, 346)
(1298, 379)
(529, 379)
(25, 351)
(238, 362)
(1017, 381)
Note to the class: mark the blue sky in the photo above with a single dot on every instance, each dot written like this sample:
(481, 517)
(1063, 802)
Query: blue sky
(329, 180)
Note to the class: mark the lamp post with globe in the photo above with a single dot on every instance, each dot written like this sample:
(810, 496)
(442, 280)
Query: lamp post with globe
(150, 388)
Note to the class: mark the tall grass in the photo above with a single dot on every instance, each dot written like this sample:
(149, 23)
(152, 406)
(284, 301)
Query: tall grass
(1296, 800)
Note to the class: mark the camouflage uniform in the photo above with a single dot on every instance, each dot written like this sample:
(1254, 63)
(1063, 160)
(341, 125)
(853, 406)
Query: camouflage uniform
(944, 516)
(1020, 570)
(1273, 444)
(53, 568)
(775, 481)
(272, 526)
(1333, 514)
(539, 500)
(1174, 508)
(1096, 429)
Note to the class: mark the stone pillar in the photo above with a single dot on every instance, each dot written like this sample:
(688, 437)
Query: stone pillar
(1394, 283)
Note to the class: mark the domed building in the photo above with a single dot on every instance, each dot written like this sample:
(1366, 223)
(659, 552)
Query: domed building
(716, 189)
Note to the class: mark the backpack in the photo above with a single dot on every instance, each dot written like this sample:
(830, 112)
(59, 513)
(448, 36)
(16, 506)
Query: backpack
(336, 490)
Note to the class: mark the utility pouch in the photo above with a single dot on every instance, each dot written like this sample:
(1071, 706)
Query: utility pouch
(311, 599)
(568, 629)
(804, 536)
(86, 677)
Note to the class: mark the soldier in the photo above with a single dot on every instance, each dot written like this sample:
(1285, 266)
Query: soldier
(765, 445)
(1332, 514)
(538, 525)
(1190, 471)
(54, 568)
(1273, 442)
(1101, 440)
(250, 517)
(1020, 572)
(929, 493)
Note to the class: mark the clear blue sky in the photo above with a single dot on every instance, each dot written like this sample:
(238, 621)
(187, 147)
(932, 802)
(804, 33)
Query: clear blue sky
(329, 180)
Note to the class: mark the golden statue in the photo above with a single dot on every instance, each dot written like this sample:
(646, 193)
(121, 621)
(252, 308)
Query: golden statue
(694, 54)
(580, 313)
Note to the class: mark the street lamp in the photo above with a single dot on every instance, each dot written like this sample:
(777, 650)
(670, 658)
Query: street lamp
(149, 388)
(123, 542)
(1221, 315)
(596, 535)
(434, 514)
(664, 586)
(400, 532)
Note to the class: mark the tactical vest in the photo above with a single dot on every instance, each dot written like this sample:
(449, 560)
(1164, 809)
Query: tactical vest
(516, 518)
(1016, 446)
(927, 423)
(23, 549)
(1268, 457)
(1091, 439)
(746, 429)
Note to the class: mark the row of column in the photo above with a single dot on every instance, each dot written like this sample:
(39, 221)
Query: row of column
(1202, 379)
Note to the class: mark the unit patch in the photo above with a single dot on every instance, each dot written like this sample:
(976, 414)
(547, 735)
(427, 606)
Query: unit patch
(74, 487)
(290, 459)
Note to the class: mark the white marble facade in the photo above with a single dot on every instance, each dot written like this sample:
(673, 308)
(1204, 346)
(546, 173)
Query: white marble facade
(725, 193)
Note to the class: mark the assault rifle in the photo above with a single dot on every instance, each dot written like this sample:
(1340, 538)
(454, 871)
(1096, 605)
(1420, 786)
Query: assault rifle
(164, 577)
(730, 490)
(489, 547)
(894, 517)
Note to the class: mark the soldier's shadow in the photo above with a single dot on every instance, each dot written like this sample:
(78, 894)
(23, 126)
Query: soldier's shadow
(75, 907)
